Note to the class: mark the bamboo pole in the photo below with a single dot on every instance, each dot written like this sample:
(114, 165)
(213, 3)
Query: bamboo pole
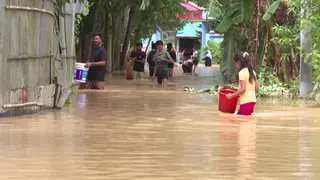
(9, 106)
(25, 8)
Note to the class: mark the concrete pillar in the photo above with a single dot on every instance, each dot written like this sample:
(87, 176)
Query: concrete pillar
(203, 36)
(305, 67)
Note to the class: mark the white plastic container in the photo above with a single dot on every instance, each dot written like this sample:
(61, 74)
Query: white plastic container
(80, 73)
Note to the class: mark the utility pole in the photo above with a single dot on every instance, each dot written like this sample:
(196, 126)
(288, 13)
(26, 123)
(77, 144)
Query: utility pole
(305, 66)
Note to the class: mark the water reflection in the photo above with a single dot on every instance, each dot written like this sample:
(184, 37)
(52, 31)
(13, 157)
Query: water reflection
(247, 149)
(303, 152)
(82, 100)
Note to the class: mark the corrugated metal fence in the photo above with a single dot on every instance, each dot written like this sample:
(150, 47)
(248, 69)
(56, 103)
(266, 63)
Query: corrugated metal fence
(30, 56)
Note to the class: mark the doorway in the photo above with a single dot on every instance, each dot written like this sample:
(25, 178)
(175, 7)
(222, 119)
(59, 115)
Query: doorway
(187, 44)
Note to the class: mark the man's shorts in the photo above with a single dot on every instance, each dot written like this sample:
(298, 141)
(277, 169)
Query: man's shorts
(162, 74)
(138, 75)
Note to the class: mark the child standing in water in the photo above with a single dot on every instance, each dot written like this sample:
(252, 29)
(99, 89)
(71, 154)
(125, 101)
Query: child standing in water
(248, 84)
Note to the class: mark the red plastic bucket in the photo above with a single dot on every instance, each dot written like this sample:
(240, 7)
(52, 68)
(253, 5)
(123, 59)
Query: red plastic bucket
(227, 105)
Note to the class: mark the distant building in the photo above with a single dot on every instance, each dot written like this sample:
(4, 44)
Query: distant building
(194, 33)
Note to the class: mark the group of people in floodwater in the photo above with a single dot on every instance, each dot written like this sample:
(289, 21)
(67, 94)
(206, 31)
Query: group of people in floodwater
(161, 63)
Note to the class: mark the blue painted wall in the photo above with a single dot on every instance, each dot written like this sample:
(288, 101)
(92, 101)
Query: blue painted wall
(190, 30)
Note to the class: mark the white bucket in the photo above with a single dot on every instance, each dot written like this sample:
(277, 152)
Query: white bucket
(80, 73)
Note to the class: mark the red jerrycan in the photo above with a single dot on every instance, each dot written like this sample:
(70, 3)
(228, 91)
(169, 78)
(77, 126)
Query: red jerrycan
(227, 105)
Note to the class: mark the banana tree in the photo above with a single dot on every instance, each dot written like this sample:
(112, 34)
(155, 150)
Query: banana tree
(282, 35)
(234, 17)
(237, 16)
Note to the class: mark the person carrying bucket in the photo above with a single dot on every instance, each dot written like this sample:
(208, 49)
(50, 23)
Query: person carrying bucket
(248, 84)
(97, 65)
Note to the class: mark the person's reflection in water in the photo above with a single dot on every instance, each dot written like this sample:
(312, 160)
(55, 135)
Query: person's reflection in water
(247, 149)
(246, 137)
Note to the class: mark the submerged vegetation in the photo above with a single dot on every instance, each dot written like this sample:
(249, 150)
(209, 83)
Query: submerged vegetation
(272, 90)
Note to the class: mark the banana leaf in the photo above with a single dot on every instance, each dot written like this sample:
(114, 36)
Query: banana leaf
(224, 25)
(234, 12)
(215, 9)
(144, 4)
(227, 66)
(262, 41)
(271, 10)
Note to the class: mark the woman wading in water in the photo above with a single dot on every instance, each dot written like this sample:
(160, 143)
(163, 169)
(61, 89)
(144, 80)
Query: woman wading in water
(207, 59)
(248, 84)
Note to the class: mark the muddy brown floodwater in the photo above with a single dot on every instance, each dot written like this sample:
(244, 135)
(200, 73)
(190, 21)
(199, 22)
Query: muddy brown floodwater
(136, 131)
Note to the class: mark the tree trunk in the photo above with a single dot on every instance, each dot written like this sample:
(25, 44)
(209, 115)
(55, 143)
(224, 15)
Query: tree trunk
(114, 31)
(150, 37)
(110, 50)
(80, 45)
(117, 38)
(254, 42)
(128, 32)
(125, 21)
(108, 40)
(295, 69)
(276, 55)
(266, 50)
(94, 28)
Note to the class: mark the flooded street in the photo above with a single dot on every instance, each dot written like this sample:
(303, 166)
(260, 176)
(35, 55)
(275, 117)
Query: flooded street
(136, 131)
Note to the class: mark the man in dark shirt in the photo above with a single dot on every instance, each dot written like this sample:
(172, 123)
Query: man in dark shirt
(150, 59)
(138, 56)
(174, 58)
(97, 65)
